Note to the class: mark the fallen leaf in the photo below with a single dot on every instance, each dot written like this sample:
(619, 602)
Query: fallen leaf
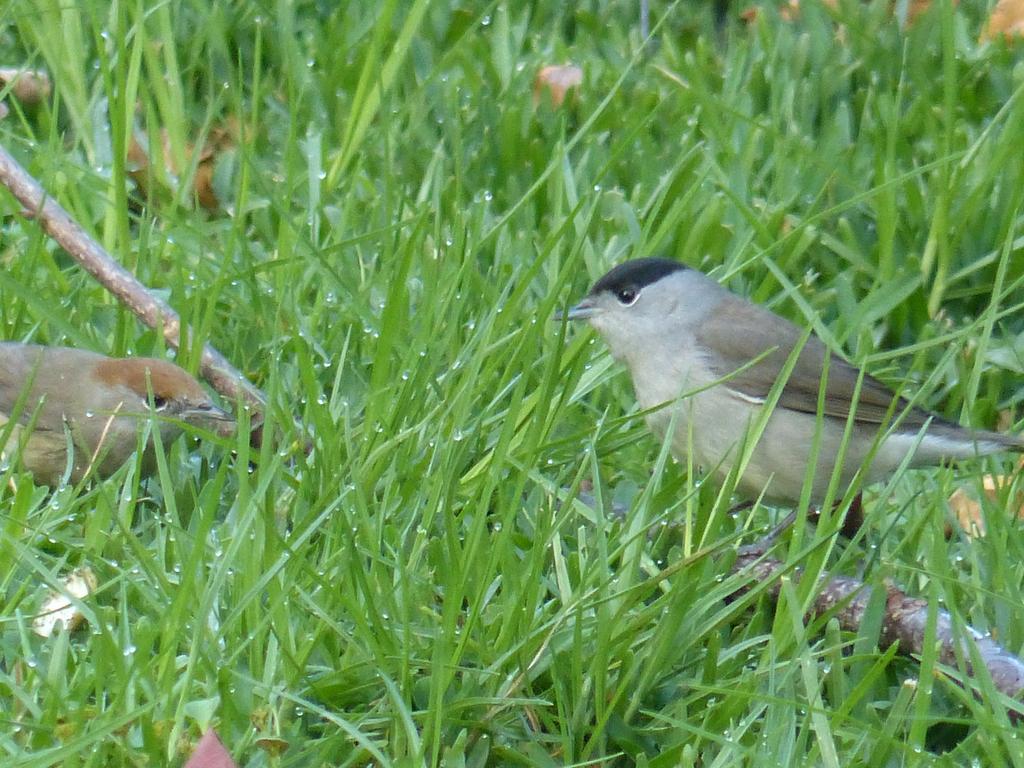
(751, 14)
(790, 10)
(1005, 420)
(29, 86)
(968, 512)
(210, 753)
(219, 140)
(260, 718)
(58, 607)
(558, 80)
(272, 745)
(916, 9)
(138, 164)
(968, 509)
(1006, 19)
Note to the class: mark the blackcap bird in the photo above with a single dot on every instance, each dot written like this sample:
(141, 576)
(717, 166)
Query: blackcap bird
(711, 358)
(93, 405)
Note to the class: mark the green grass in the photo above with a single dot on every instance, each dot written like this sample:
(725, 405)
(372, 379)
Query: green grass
(400, 222)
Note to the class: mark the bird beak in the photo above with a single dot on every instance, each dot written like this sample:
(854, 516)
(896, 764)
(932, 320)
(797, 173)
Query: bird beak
(210, 417)
(581, 311)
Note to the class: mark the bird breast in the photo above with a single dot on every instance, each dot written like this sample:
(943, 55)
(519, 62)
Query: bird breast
(706, 417)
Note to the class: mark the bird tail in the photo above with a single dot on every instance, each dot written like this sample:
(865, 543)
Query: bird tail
(1005, 442)
(961, 443)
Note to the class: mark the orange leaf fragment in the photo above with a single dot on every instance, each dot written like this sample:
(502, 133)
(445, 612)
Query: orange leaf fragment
(789, 10)
(751, 14)
(916, 8)
(968, 509)
(220, 139)
(558, 80)
(1006, 19)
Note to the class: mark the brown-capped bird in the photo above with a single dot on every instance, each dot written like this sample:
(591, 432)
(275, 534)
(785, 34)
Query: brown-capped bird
(94, 405)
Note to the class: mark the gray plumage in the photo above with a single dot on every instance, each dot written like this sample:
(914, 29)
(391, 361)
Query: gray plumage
(680, 332)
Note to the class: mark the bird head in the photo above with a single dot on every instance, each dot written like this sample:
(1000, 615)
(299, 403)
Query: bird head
(151, 386)
(630, 304)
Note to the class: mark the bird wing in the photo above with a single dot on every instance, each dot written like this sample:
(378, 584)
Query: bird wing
(770, 337)
(17, 366)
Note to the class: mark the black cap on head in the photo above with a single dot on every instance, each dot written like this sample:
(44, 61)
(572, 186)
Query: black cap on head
(636, 274)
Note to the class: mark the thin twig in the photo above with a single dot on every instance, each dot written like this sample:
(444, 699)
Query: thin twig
(151, 310)
(905, 621)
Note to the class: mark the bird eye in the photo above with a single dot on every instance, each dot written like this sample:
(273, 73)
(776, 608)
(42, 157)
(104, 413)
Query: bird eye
(159, 402)
(627, 295)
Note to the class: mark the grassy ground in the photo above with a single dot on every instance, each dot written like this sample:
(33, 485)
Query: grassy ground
(398, 223)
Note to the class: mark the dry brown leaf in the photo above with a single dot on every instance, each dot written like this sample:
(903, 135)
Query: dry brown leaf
(1007, 19)
(138, 165)
(968, 512)
(917, 7)
(58, 607)
(29, 86)
(751, 14)
(790, 10)
(210, 753)
(221, 138)
(968, 509)
(558, 80)
(272, 745)
(1005, 419)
